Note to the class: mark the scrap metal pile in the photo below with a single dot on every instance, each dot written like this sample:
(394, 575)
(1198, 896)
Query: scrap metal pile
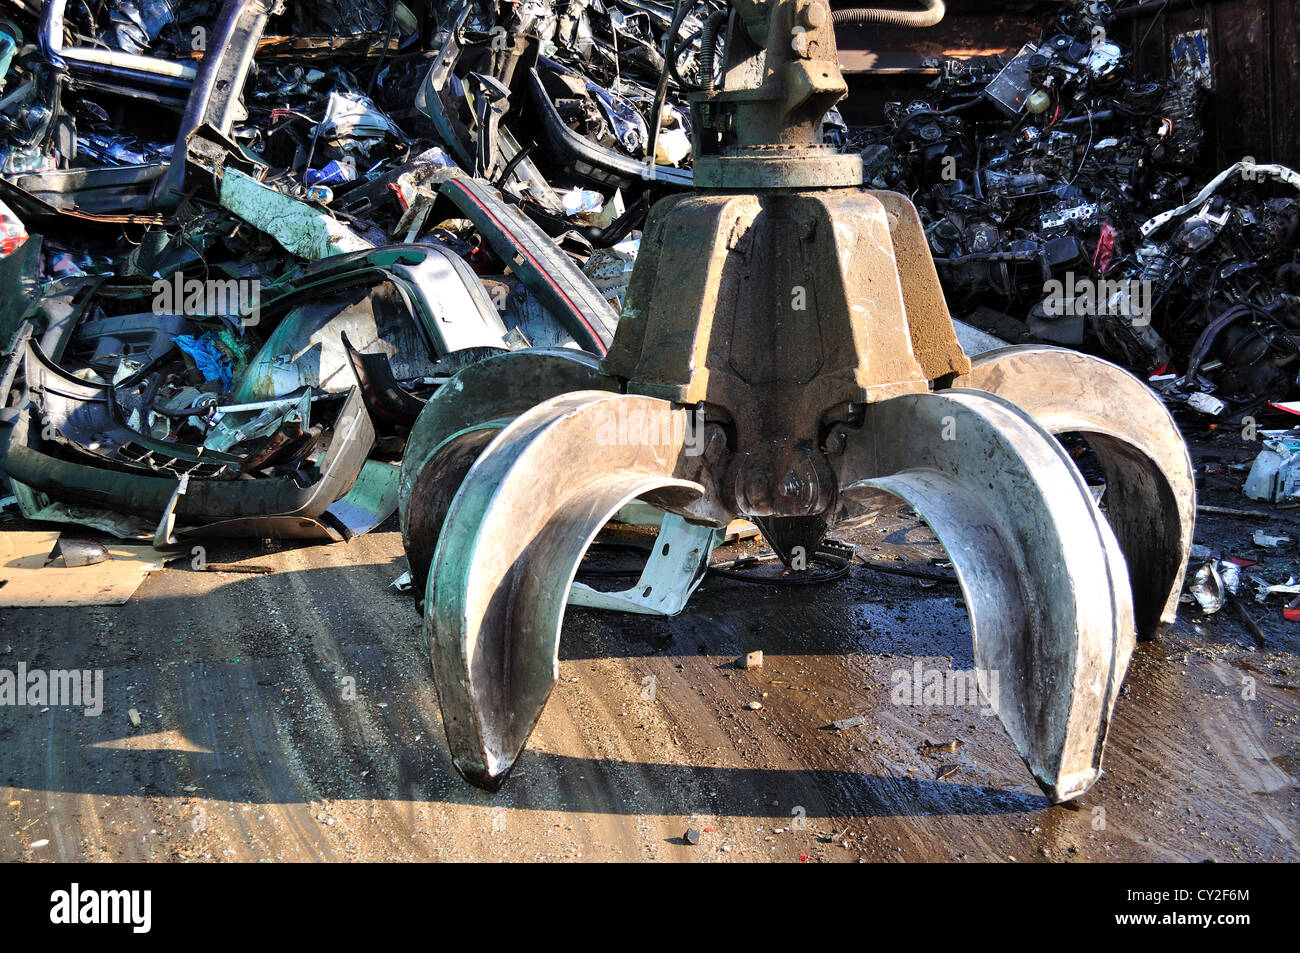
(242, 242)
(229, 228)
(1065, 201)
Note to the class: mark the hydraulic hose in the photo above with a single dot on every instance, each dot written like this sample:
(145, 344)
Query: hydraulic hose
(708, 39)
(862, 16)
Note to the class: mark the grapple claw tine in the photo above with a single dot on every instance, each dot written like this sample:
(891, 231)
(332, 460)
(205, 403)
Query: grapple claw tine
(1037, 562)
(460, 420)
(510, 547)
(1150, 487)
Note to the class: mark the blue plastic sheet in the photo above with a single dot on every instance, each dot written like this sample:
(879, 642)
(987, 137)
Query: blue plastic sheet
(211, 360)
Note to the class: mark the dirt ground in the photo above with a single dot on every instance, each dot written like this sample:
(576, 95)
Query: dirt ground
(292, 716)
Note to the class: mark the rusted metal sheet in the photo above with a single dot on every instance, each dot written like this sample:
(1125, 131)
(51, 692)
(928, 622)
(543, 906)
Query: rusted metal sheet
(1255, 51)
(882, 63)
(1286, 81)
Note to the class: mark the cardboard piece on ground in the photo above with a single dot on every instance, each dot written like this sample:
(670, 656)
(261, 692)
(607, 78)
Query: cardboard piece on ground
(25, 580)
(26, 549)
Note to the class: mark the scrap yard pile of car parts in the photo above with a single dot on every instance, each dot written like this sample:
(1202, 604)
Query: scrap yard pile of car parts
(1066, 202)
(242, 242)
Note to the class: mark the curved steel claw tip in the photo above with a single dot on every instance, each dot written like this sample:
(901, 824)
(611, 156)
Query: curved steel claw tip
(1044, 579)
(1150, 488)
(509, 550)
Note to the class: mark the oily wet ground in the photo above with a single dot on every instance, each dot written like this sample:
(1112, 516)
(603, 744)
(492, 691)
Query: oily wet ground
(292, 716)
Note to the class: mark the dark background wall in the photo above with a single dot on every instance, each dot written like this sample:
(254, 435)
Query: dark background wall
(1254, 44)
(1255, 49)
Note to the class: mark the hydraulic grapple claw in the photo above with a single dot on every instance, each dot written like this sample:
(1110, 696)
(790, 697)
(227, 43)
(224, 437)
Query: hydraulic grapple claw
(1044, 580)
(461, 419)
(509, 549)
(1150, 488)
(785, 354)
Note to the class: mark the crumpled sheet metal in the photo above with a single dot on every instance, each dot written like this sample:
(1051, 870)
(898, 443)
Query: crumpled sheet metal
(301, 229)
(24, 457)
(71, 439)
(298, 165)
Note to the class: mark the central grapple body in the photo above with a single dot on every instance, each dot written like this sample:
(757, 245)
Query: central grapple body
(785, 354)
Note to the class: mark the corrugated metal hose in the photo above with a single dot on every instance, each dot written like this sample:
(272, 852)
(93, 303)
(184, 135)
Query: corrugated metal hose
(862, 16)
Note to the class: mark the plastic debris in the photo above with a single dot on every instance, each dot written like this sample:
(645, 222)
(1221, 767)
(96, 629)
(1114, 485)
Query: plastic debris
(1275, 473)
(579, 201)
(1206, 404)
(211, 360)
(1208, 589)
(1262, 538)
(12, 231)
